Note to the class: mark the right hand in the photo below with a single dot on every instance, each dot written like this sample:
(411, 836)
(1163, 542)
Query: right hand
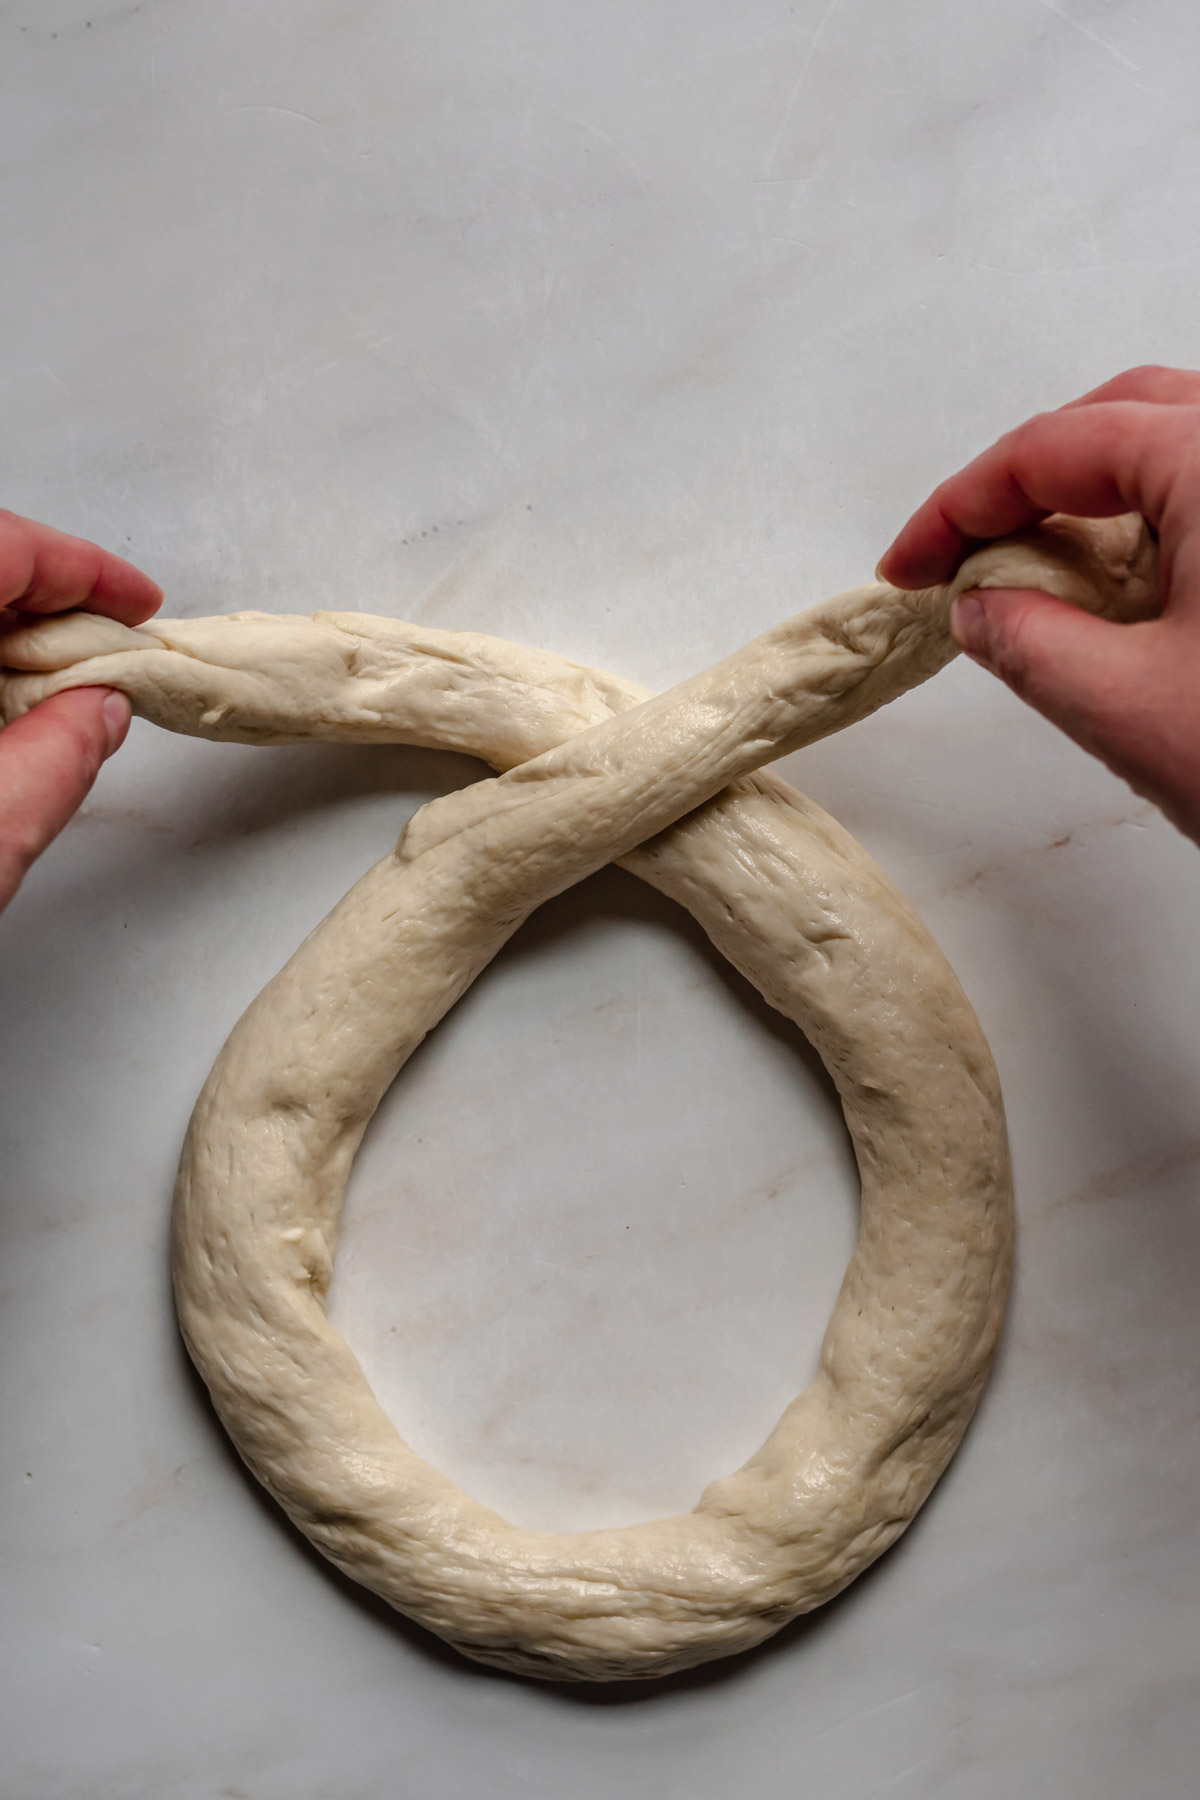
(1128, 693)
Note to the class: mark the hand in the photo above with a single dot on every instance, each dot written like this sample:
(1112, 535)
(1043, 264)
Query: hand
(1128, 693)
(50, 758)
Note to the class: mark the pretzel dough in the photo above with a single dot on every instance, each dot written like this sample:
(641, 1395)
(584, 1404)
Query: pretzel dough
(597, 771)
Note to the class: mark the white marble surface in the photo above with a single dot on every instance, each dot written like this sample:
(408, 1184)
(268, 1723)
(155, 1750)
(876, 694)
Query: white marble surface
(626, 330)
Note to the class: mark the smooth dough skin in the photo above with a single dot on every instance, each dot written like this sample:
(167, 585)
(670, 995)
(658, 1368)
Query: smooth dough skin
(596, 771)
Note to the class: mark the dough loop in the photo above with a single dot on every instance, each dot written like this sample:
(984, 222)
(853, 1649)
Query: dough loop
(596, 771)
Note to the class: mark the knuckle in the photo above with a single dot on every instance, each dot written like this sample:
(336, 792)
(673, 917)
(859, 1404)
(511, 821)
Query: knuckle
(1146, 372)
(1024, 441)
(1020, 434)
(23, 836)
(84, 737)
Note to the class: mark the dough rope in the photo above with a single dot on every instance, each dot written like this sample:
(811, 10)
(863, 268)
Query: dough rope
(595, 770)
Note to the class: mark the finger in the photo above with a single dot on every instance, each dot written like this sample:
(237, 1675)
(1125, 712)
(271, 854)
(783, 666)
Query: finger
(48, 761)
(42, 570)
(1113, 457)
(1124, 692)
(1150, 382)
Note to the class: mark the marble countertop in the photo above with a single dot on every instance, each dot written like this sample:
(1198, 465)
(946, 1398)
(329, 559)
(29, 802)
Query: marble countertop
(625, 330)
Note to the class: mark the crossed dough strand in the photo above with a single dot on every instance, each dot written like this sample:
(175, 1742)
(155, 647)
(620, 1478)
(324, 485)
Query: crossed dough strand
(596, 771)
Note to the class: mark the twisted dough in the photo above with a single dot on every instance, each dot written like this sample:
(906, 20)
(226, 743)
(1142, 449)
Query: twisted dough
(596, 770)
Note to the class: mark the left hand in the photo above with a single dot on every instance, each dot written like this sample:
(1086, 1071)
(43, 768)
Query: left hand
(50, 758)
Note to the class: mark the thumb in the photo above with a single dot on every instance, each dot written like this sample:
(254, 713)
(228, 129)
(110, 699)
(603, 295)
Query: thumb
(1088, 676)
(49, 759)
(1124, 692)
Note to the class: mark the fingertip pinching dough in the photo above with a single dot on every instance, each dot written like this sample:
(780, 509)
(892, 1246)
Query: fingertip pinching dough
(593, 770)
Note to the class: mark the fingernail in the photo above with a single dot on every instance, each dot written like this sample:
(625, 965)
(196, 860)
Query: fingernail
(116, 713)
(968, 625)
